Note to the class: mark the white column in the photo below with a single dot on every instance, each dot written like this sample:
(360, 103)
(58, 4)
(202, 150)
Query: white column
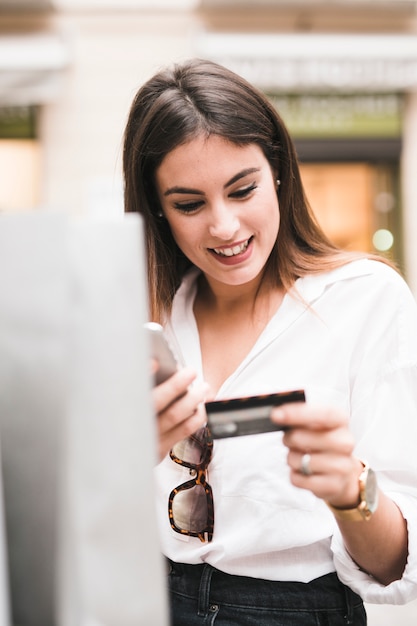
(409, 190)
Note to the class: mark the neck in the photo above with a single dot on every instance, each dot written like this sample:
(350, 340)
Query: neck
(219, 295)
(254, 299)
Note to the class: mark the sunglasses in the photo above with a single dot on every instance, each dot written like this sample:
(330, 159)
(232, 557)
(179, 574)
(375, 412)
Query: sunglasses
(190, 505)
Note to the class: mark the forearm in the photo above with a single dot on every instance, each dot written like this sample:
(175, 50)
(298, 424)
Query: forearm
(380, 545)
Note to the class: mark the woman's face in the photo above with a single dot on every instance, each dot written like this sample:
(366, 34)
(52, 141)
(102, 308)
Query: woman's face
(221, 203)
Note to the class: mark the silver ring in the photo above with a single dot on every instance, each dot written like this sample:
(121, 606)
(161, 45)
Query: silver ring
(305, 468)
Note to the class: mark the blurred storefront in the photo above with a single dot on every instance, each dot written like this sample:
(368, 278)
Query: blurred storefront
(350, 149)
(342, 74)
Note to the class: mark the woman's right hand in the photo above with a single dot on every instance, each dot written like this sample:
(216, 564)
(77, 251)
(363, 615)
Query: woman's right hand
(179, 408)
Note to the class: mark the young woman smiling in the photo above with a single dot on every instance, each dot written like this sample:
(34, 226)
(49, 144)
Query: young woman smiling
(290, 528)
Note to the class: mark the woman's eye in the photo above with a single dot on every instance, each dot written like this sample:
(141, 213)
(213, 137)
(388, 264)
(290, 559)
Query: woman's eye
(242, 193)
(188, 207)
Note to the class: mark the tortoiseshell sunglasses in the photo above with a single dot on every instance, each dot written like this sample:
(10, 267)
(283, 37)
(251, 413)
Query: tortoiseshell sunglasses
(190, 505)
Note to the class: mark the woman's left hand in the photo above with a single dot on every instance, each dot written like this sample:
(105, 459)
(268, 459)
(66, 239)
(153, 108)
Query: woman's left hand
(331, 471)
(380, 545)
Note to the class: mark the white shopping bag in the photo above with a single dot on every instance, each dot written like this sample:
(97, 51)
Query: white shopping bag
(76, 425)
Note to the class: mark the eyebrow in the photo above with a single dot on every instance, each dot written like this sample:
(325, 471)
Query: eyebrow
(234, 179)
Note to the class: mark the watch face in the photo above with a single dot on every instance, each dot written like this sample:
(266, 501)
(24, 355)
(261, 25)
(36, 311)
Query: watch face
(371, 491)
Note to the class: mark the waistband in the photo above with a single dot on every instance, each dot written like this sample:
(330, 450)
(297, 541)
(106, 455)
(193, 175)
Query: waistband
(324, 593)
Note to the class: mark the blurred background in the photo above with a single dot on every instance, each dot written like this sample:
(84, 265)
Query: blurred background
(343, 75)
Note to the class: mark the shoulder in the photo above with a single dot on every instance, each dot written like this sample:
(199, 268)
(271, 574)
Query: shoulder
(368, 273)
(363, 283)
(188, 283)
(376, 291)
(184, 297)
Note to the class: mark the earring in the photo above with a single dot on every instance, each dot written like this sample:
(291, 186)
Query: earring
(278, 182)
(159, 214)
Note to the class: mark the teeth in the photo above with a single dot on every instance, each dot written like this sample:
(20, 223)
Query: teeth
(232, 251)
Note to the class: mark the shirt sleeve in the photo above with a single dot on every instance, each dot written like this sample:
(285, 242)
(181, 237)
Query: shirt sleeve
(384, 423)
(398, 592)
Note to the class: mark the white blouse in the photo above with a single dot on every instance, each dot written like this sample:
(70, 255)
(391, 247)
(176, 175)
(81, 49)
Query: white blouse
(349, 339)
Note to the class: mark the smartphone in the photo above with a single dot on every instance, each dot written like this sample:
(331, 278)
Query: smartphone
(249, 415)
(162, 352)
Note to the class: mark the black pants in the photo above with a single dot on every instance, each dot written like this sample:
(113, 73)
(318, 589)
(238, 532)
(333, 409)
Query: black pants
(201, 595)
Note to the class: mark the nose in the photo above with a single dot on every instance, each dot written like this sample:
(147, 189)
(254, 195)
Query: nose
(224, 222)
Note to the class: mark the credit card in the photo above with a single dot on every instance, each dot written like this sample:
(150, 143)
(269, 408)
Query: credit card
(249, 415)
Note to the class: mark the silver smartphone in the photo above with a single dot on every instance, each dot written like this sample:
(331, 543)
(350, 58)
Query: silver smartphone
(162, 352)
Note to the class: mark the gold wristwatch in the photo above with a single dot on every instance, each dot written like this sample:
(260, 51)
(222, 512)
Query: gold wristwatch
(368, 496)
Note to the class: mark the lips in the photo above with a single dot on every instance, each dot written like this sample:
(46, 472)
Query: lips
(230, 251)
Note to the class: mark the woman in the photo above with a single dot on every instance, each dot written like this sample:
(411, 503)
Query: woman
(270, 528)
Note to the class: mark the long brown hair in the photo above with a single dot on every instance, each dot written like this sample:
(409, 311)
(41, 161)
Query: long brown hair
(196, 97)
